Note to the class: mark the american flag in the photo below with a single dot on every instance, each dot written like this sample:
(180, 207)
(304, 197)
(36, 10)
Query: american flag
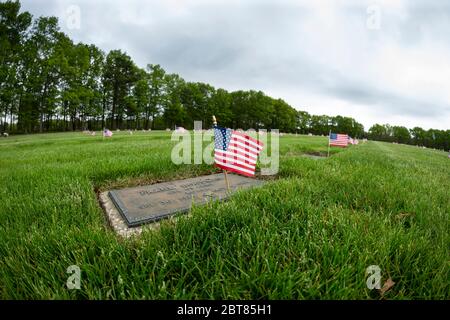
(235, 151)
(338, 140)
(107, 133)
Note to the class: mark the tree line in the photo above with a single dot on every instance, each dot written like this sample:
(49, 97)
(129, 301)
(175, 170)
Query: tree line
(49, 83)
(432, 138)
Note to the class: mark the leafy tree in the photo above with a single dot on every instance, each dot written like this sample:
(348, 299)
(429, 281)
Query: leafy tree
(120, 74)
(221, 108)
(401, 134)
(13, 32)
(174, 111)
(156, 82)
(379, 132)
(320, 125)
(141, 95)
(303, 120)
(40, 74)
(284, 116)
(92, 84)
(417, 136)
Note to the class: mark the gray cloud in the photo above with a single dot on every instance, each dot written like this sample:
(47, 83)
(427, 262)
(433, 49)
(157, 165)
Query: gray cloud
(301, 50)
(388, 101)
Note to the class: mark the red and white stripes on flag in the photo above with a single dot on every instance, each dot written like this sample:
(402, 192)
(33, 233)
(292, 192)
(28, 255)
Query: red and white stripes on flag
(338, 140)
(235, 151)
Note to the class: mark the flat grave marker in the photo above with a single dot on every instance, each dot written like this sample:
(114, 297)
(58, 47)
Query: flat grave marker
(133, 207)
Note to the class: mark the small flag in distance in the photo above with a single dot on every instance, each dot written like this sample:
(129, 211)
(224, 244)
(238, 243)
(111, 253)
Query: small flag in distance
(338, 140)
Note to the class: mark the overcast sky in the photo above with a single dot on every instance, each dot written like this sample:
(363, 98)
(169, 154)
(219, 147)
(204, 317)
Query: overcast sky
(377, 61)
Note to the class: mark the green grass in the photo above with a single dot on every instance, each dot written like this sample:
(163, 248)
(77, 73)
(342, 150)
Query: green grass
(310, 234)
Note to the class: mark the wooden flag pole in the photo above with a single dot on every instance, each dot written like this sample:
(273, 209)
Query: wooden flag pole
(224, 171)
(226, 179)
(329, 144)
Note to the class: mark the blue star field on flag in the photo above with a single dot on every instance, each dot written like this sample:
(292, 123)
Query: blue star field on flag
(222, 137)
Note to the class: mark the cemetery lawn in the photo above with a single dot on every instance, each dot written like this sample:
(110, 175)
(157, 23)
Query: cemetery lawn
(310, 234)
